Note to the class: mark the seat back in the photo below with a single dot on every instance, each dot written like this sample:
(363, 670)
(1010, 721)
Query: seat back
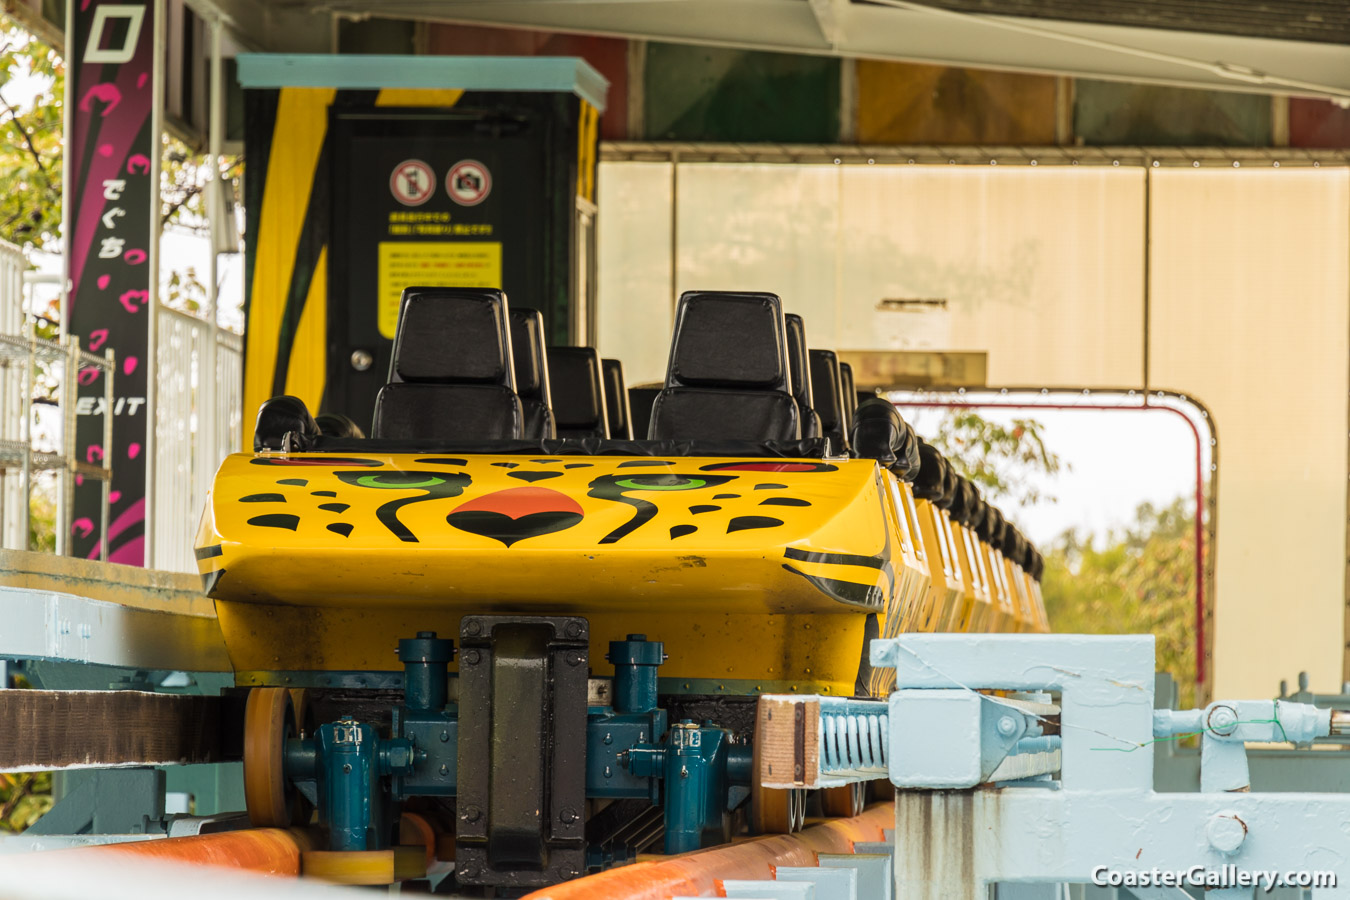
(616, 400)
(640, 401)
(578, 392)
(531, 370)
(728, 377)
(801, 375)
(451, 376)
(829, 397)
(849, 393)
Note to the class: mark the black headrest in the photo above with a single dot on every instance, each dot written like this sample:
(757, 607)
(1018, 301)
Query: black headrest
(640, 400)
(1012, 543)
(932, 473)
(278, 417)
(616, 400)
(801, 371)
(950, 480)
(976, 508)
(880, 433)
(992, 528)
(452, 336)
(850, 393)
(527, 353)
(578, 393)
(962, 500)
(729, 340)
(826, 391)
(1037, 564)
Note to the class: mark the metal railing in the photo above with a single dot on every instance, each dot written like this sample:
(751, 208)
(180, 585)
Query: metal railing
(22, 355)
(198, 422)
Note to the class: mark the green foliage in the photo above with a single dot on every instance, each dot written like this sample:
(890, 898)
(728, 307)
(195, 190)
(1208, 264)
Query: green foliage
(30, 140)
(1139, 580)
(1001, 460)
(24, 797)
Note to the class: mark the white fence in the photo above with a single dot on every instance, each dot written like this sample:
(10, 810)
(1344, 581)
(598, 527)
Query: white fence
(198, 422)
(12, 406)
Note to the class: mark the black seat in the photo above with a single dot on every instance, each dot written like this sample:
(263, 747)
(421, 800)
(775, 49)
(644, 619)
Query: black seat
(578, 392)
(640, 400)
(531, 368)
(451, 375)
(850, 395)
(828, 397)
(728, 376)
(616, 400)
(801, 375)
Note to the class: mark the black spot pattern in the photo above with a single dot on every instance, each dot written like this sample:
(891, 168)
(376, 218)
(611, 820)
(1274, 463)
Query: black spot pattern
(334, 507)
(703, 507)
(634, 463)
(770, 486)
(324, 493)
(263, 498)
(276, 520)
(543, 461)
(726, 496)
(294, 482)
(578, 465)
(505, 465)
(682, 530)
(532, 477)
(785, 501)
(341, 528)
(745, 523)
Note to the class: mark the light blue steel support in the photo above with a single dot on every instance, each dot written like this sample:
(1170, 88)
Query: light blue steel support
(1102, 811)
(770, 890)
(836, 884)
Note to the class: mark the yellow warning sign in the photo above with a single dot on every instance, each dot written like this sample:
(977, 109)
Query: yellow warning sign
(406, 264)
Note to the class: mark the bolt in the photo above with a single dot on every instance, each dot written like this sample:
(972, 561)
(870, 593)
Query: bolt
(445, 736)
(471, 814)
(1007, 726)
(568, 815)
(472, 657)
(473, 626)
(445, 770)
(346, 768)
(573, 658)
(573, 629)
(1226, 832)
(467, 874)
(1222, 720)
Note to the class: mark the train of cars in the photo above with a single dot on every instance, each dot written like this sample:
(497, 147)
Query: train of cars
(505, 618)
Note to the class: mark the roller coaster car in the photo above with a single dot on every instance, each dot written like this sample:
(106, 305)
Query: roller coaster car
(758, 561)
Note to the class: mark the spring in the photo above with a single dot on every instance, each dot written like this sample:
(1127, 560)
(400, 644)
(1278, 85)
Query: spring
(853, 742)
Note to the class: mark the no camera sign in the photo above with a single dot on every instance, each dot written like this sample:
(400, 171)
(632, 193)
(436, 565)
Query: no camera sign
(468, 182)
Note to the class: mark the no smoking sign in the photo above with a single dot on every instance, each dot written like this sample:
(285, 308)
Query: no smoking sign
(412, 183)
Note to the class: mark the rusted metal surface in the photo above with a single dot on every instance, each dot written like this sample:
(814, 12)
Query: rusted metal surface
(41, 730)
(697, 874)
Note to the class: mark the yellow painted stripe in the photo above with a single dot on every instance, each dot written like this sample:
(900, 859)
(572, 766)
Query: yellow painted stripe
(309, 351)
(418, 97)
(588, 127)
(302, 123)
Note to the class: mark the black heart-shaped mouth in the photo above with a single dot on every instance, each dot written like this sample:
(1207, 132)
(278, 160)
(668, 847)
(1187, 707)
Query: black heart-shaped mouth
(509, 529)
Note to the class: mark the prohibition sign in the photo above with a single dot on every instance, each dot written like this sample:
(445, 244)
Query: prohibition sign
(468, 182)
(412, 183)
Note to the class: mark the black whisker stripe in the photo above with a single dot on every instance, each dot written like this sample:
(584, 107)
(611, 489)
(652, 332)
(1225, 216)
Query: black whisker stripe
(838, 559)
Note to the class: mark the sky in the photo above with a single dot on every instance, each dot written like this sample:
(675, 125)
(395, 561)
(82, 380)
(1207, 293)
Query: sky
(1114, 460)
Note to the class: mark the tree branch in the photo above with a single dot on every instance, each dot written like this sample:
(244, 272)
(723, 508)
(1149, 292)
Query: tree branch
(27, 138)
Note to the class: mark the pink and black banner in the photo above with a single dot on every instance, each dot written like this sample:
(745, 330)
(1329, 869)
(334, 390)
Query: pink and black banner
(113, 212)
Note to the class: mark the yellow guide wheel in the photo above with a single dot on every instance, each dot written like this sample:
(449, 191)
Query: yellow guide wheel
(364, 866)
(269, 720)
(844, 802)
